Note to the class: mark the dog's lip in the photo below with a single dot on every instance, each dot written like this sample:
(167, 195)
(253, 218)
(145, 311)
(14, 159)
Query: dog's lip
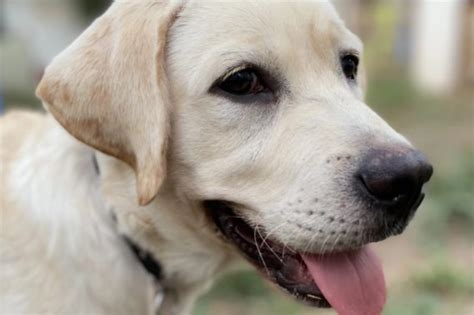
(279, 264)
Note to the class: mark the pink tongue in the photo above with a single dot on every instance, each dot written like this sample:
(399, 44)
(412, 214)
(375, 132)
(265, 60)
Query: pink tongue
(352, 282)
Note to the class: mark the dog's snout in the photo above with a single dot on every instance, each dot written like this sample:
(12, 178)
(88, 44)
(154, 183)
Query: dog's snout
(395, 178)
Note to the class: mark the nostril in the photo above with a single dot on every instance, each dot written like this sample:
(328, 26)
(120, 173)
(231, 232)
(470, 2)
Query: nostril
(386, 187)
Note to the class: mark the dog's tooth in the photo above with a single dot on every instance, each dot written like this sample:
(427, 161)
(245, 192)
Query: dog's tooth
(314, 297)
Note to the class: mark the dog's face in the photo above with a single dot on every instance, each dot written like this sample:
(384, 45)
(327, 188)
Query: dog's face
(270, 126)
(270, 117)
(269, 132)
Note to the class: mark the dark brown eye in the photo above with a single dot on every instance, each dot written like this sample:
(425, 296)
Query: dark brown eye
(350, 64)
(242, 82)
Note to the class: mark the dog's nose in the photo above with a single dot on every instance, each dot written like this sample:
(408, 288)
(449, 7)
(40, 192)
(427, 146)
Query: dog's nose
(395, 178)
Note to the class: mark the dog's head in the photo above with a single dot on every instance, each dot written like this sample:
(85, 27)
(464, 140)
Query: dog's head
(261, 105)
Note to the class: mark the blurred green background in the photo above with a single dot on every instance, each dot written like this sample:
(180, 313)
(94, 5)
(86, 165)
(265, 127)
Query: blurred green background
(429, 268)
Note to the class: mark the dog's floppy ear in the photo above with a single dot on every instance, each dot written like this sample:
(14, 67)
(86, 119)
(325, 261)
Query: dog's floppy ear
(109, 88)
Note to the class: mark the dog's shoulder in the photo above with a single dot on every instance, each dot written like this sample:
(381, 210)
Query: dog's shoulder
(19, 239)
(52, 221)
(16, 127)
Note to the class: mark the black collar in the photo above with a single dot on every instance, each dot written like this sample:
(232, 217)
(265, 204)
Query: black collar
(146, 259)
(151, 265)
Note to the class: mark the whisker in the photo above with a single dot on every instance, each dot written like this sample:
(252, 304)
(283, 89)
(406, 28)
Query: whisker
(259, 252)
(335, 242)
(269, 247)
(284, 244)
(308, 244)
(324, 245)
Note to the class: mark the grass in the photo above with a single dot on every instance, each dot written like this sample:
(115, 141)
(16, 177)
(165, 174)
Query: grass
(444, 279)
(442, 289)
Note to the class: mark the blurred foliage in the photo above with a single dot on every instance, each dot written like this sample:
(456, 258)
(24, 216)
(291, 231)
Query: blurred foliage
(444, 279)
(440, 289)
(452, 201)
(417, 304)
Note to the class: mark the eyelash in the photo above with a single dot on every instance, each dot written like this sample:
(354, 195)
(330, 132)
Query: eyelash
(244, 80)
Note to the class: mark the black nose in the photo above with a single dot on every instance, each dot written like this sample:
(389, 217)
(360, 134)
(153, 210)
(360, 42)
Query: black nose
(395, 178)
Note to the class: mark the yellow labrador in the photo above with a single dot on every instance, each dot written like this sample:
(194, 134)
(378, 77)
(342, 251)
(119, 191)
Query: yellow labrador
(208, 131)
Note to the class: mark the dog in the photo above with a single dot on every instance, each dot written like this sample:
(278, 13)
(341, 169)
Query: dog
(183, 136)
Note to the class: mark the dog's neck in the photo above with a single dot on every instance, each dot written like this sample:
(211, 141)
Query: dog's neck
(172, 231)
(144, 257)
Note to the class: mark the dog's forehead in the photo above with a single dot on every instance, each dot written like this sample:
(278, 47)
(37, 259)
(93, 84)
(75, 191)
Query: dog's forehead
(263, 17)
(287, 35)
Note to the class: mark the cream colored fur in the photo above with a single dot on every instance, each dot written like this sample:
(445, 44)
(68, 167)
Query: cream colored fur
(136, 86)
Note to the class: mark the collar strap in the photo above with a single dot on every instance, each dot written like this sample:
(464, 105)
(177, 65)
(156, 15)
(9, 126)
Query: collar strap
(146, 259)
(151, 265)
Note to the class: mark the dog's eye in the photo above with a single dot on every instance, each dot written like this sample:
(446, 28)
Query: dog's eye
(242, 82)
(349, 64)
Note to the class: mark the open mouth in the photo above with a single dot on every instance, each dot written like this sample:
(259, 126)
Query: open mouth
(351, 282)
(281, 265)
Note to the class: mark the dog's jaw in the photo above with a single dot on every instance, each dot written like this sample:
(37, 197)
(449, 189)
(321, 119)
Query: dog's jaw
(279, 264)
(351, 281)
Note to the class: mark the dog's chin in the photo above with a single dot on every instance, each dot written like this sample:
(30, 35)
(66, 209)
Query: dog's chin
(278, 263)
